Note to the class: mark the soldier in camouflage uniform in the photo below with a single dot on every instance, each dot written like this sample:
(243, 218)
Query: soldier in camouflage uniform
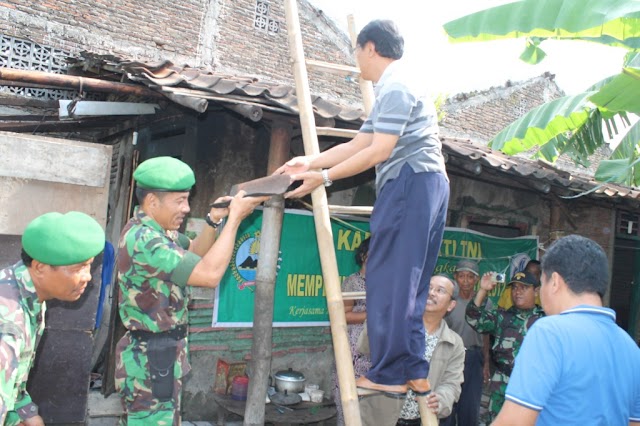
(155, 265)
(57, 252)
(507, 328)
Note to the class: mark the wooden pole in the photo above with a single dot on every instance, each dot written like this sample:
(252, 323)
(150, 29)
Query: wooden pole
(74, 82)
(265, 284)
(428, 417)
(366, 87)
(346, 376)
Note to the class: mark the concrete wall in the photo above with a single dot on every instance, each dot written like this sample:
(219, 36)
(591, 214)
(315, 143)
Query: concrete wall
(483, 201)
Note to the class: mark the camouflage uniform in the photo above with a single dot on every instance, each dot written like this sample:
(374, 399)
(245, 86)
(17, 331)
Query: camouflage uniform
(507, 329)
(21, 326)
(153, 268)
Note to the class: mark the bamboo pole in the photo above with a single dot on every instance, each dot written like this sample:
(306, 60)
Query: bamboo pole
(346, 377)
(265, 284)
(428, 417)
(73, 82)
(366, 87)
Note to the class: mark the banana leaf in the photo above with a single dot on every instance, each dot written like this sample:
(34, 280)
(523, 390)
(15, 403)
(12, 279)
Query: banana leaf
(545, 123)
(622, 166)
(622, 93)
(609, 22)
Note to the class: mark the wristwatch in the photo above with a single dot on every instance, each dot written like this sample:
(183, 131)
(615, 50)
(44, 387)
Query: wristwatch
(211, 223)
(325, 177)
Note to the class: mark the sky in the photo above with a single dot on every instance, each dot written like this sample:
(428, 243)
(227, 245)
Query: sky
(463, 67)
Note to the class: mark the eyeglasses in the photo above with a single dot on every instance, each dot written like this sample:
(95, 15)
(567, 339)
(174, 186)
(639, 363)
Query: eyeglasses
(440, 291)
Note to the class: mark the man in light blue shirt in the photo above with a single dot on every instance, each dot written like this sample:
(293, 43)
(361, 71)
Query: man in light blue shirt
(576, 366)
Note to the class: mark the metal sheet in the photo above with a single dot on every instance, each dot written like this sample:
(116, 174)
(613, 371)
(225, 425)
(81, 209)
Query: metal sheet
(97, 108)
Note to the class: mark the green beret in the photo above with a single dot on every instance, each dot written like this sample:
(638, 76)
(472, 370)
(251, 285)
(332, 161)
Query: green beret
(164, 174)
(63, 239)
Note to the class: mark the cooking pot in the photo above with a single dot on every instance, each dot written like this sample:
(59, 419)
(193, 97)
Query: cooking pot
(289, 380)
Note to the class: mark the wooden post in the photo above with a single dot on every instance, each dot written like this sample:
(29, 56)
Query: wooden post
(265, 284)
(346, 376)
(366, 87)
(427, 417)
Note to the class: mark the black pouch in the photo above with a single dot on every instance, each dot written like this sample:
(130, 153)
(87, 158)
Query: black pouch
(162, 354)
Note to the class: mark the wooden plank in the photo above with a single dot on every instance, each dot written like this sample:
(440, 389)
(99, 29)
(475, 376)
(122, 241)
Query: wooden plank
(332, 131)
(333, 68)
(53, 160)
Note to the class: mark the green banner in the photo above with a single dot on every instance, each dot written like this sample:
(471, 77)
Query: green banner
(300, 298)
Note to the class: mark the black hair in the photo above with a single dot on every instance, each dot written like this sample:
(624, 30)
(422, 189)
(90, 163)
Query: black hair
(532, 262)
(384, 34)
(456, 288)
(141, 193)
(26, 259)
(362, 252)
(581, 262)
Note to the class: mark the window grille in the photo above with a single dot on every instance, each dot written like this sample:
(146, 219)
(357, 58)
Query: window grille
(262, 20)
(26, 55)
(628, 223)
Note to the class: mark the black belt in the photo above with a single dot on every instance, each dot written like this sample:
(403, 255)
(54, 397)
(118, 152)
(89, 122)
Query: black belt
(474, 348)
(178, 333)
(409, 422)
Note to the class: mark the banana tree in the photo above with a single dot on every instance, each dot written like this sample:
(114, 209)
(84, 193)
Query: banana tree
(571, 125)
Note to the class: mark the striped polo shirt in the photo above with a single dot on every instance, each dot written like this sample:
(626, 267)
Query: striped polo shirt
(404, 108)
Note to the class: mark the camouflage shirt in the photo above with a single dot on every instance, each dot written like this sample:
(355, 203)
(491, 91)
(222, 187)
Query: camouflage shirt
(21, 326)
(506, 327)
(153, 268)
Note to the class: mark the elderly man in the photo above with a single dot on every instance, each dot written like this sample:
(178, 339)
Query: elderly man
(445, 353)
(399, 139)
(155, 264)
(57, 252)
(575, 366)
(507, 327)
(467, 410)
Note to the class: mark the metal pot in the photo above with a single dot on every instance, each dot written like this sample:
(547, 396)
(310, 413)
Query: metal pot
(289, 380)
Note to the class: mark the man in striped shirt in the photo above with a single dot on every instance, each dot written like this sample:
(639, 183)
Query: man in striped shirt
(399, 139)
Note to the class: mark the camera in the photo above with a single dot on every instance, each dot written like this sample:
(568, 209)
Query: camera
(499, 278)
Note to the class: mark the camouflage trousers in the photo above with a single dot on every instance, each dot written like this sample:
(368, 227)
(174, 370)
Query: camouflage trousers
(133, 384)
(497, 389)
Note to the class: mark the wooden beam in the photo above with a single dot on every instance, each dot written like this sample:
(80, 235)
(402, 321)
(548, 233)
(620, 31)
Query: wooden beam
(76, 83)
(338, 69)
(366, 87)
(332, 131)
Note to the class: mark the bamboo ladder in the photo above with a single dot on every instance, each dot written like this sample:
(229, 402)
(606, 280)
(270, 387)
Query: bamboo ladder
(321, 209)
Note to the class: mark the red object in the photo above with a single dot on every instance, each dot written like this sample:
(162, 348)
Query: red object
(239, 386)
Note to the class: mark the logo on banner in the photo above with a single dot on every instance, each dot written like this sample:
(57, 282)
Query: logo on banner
(245, 260)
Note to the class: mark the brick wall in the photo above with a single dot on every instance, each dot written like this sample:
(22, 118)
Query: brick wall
(482, 115)
(244, 49)
(134, 29)
(215, 33)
